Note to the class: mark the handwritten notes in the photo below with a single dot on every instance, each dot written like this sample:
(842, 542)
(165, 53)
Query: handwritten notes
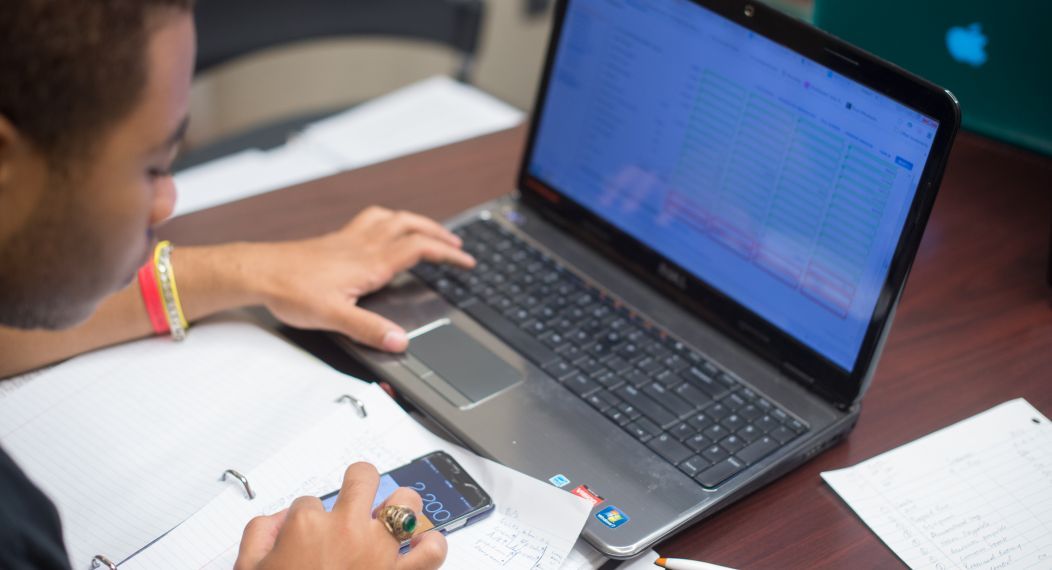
(976, 495)
(534, 525)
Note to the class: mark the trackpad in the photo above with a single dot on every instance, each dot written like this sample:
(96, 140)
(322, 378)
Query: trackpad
(463, 362)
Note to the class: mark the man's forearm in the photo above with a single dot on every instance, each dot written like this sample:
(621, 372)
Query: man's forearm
(210, 280)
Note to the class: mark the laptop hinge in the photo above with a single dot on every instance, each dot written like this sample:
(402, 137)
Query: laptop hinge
(808, 381)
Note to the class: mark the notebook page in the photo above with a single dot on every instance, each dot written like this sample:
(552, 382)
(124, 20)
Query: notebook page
(534, 525)
(130, 441)
(975, 495)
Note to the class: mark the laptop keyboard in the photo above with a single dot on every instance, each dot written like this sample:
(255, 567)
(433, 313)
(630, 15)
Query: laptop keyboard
(665, 394)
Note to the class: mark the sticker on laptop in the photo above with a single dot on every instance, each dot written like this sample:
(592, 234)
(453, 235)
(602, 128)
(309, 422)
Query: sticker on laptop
(585, 493)
(559, 480)
(612, 516)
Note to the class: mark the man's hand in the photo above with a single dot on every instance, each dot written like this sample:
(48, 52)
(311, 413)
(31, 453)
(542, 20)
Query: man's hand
(306, 536)
(316, 283)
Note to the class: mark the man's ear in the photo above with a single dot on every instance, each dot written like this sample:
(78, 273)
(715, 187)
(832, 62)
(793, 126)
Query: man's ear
(9, 137)
(21, 177)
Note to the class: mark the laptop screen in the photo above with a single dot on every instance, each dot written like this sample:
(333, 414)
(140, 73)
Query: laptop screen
(773, 179)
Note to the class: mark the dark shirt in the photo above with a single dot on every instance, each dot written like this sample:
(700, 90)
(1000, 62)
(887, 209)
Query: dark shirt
(30, 530)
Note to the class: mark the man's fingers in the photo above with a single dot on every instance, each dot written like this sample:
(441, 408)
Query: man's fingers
(258, 539)
(411, 249)
(426, 552)
(405, 497)
(371, 329)
(357, 492)
(402, 223)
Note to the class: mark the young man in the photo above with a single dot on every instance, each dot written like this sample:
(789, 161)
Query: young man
(93, 104)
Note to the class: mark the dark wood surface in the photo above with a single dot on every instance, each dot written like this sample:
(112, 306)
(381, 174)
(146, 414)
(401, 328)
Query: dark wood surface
(974, 327)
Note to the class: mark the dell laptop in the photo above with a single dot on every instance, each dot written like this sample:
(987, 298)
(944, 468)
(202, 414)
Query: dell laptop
(687, 293)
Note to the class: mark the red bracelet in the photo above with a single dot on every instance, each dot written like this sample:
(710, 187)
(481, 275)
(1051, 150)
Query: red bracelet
(151, 297)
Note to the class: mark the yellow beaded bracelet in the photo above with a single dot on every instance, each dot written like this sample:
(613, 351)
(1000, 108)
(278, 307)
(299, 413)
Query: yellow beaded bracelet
(165, 273)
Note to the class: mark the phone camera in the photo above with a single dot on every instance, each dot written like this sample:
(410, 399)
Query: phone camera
(749, 10)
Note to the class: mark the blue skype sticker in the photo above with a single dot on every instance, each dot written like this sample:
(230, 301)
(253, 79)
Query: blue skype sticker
(559, 480)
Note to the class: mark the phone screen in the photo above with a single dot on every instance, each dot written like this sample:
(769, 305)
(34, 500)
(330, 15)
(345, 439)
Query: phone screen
(448, 492)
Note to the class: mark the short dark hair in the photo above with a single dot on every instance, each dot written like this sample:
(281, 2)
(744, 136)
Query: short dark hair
(71, 69)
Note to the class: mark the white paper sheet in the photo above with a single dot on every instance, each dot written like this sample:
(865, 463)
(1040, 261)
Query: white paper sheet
(977, 494)
(130, 441)
(248, 173)
(584, 557)
(427, 114)
(534, 525)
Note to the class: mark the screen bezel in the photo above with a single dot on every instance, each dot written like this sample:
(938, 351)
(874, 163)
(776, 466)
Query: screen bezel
(802, 363)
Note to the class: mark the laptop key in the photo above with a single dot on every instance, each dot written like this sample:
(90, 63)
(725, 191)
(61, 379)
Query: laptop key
(693, 465)
(667, 379)
(698, 442)
(733, 401)
(682, 431)
(699, 379)
(757, 450)
(603, 400)
(608, 379)
(766, 423)
(560, 369)
(715, 453)
(666, 446)
(643, 429)
(691, 394)
(647, 406)
(635, 378)
(718, 411)
(629, 410)
(750, 433)
(733, 422)
(750, 412)
(581, 385)
(732, 443)
(718, 473)
(590, 366)
(617, 364)
(700, 420)
(716, 432)
(782, 434)
(670, 400)
(617, 416)
(675, 363)
(507, 331)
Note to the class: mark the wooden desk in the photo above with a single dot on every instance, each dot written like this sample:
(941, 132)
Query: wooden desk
(974, 328)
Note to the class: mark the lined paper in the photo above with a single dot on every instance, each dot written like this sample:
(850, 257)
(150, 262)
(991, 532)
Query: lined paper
(975, 495)
(534, 525)
(130, 441)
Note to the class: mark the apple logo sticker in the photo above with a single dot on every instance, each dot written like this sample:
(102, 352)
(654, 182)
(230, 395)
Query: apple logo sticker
(967, 45)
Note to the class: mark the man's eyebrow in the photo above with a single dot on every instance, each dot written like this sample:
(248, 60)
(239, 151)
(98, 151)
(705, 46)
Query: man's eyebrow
(177, 135)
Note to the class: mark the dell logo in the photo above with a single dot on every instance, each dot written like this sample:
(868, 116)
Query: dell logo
(967, 45)
(673, 276)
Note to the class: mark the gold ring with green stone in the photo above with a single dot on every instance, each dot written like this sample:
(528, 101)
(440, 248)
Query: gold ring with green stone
(399, 520)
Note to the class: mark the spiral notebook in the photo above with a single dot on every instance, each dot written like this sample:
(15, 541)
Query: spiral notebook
(100, 434)
(134, 441)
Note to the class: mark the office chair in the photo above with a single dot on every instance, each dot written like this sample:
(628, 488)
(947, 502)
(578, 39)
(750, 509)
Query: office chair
(230, 29)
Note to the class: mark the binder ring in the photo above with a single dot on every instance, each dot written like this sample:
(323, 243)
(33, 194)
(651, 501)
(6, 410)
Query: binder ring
(358, 405)
(244, 482)
(100, 560)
